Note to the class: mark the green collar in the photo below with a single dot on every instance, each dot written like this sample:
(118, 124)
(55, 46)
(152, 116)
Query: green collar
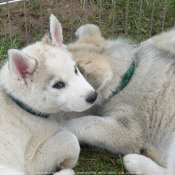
(125, 80)
(29, 109)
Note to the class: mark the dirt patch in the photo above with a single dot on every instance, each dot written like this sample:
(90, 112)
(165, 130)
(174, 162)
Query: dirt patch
(112, 21)
(33, 23)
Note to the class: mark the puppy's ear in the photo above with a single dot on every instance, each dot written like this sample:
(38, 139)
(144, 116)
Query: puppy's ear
(97, 72)
(21, 66)
(90, 34)
(88, 30)
(55, 31)
(79, 32)
(100, 80)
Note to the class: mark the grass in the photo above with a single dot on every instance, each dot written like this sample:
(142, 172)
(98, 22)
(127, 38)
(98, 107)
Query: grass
(112, 22)
(9, 42)
(96, 161)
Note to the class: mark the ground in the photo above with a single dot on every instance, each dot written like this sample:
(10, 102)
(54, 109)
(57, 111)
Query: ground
(115, 18)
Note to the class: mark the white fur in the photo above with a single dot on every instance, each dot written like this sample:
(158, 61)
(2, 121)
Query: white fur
(139, 164)
(65, 172)
(30, 144)
(141, 116)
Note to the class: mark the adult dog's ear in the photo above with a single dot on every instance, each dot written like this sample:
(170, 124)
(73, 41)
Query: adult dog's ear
(21, 66)
(55, 31)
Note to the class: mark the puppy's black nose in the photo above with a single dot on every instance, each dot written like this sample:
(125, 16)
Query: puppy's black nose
(92, 97)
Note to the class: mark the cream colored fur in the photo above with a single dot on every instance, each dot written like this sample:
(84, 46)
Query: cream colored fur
(141, 117)
(30, 144)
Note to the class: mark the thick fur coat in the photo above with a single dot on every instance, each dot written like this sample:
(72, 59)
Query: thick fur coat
(138, 121)
(41, 77)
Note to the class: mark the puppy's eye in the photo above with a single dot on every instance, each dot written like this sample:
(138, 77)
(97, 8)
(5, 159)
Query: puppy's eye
(59, 85)
(76, 71)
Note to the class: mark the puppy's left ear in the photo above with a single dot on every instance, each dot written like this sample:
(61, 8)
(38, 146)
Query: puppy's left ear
(88, 31)
(21, 66)
(55, 31)
(90, 34)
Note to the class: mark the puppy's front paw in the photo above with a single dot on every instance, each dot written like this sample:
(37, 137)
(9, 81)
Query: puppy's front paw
(65, 172)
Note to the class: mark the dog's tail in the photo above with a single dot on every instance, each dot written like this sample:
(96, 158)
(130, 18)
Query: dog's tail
(7, 171)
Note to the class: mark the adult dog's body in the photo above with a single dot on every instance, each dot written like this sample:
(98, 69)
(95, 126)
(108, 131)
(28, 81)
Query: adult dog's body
(139, 117)
(34, 82)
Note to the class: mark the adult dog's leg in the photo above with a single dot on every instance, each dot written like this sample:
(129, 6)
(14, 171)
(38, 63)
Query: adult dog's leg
(107, 132)
(61, 150)
(141, 165)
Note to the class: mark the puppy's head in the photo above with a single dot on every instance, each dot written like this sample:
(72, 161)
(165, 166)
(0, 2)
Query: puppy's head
(88, 54)
(45, 77)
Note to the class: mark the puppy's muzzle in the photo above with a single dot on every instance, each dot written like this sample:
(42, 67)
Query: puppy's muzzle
(92, 97)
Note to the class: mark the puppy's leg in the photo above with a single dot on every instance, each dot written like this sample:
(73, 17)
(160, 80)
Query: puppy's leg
(141, 165)
(108, 133)
(60, 150)
(171, 158)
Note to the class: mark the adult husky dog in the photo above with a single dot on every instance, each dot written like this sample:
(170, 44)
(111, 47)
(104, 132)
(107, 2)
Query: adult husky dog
(38, 80)
(135, 111)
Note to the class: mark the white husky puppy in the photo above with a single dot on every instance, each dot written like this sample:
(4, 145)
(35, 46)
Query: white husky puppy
(136, 95)
(36, 81)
